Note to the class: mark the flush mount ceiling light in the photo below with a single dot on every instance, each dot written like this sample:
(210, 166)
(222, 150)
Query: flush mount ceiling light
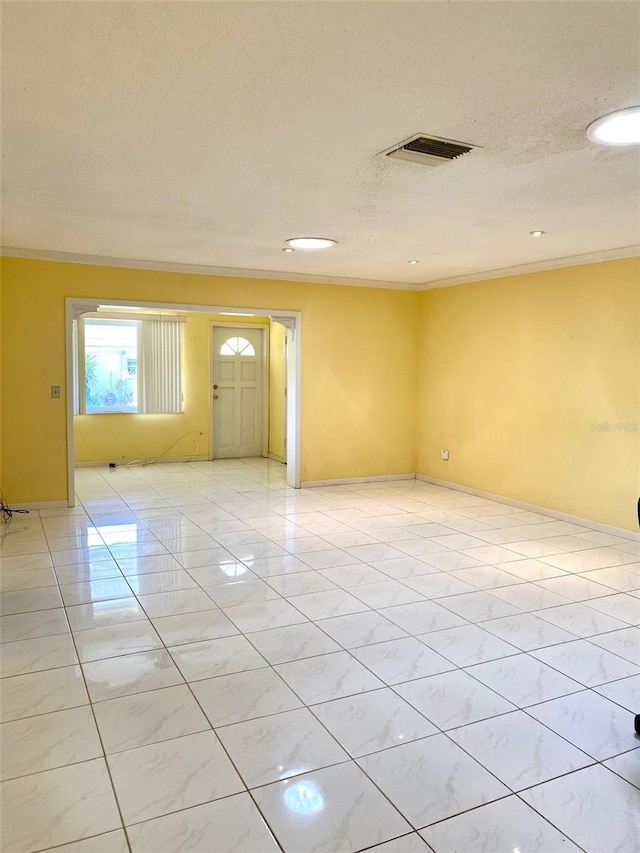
(288, 249)
(310, 243)
(619, 128)
(536, 233)
(413, 262)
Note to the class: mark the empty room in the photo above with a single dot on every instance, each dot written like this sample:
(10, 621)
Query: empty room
(320, 426)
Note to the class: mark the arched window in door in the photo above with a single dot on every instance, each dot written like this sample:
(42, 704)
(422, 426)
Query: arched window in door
(237, 346)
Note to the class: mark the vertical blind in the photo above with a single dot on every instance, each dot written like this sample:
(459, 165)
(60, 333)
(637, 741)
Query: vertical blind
(159, 343)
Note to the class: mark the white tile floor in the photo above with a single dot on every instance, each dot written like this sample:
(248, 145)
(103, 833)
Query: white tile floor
(198, 658)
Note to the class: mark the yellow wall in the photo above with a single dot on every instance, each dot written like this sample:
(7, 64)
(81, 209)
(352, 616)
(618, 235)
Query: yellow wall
(120, 437)
(513, 373)
(359, 355)
(277, 384)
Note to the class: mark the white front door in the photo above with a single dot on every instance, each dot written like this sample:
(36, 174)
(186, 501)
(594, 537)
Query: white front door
(237, 391)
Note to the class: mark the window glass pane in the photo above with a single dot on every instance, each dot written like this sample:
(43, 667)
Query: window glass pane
(111, 366)
(237, 346)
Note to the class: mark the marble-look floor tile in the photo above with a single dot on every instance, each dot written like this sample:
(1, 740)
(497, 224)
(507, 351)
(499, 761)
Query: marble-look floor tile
(405, 567)
(527, 631)
(26, 579)
(37, 811)
(386, 594)
(586, 663)
(264, 614)
(323, 605)
(369, 722)
(231, 824)
(523, 680)
(620, 606)
(175, 602)
(47, 741)
(335, 810)
(102, 614)
(26, 600)
(626, 765)
(528, 597)
(130, 637)
(505, 825)
(40, 559)
(300, 583)
(468, 644)
(401, 660)
(241, 592)
(411, 843)
(28, 626)
(422, 617)
(41, 693)
(216, 657)
(279, 746)
(157, 582)
(624, 643)
(144, 718)
(194, 627)
(289, 564)
(208, 576)
(575, 587)
(123, 675)
(478, 606)
(325, 677)
(438, 584)
(360, 629)
(176, 774)
(595, 808)
(109, 842)
(519, 750)
(279, 645)
(244, 696)
(143, 565)
(621, 578)
(589, 721)
(100, 590)
(352, 576)
(35, 655)
(580, 619)
(431, 779)
(88, 572)
(453, 699)
(624, 692)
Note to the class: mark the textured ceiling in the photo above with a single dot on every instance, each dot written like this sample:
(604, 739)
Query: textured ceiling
(207, 133)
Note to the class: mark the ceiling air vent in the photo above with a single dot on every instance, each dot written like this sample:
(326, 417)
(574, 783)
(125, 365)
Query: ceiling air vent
(428, 150)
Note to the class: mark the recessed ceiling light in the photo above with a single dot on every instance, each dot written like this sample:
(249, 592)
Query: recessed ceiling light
(413, 262)
(536, 233)
(288, 249)
(310, 243)
(619, 128)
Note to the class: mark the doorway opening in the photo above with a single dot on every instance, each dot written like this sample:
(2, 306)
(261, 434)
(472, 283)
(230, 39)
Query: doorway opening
(255, 416)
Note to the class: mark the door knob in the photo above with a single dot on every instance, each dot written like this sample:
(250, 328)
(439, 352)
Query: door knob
(215, 387)
(215, 396)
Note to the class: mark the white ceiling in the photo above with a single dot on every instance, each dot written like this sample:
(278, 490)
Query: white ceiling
(207, 133)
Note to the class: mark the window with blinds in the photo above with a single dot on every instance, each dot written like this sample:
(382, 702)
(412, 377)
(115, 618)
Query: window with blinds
(128, 365)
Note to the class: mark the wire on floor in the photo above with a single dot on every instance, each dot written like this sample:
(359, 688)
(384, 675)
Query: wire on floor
(8, 512)
(142, 462)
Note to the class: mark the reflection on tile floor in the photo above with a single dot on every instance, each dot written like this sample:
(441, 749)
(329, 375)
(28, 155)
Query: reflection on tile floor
(199, 658)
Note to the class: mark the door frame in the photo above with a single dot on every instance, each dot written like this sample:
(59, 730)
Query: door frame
(264, 379)
(76, 306)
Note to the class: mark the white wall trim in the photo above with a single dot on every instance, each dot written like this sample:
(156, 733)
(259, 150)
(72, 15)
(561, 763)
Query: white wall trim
(36, 505)
(617, 253)
(554, 513)
(347, 481)
(198, 269)
(539, 266)
(141, 463)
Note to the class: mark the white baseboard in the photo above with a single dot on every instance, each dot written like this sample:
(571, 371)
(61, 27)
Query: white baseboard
(347, 481)
(140, 463)
(554, 513)
(41, 505)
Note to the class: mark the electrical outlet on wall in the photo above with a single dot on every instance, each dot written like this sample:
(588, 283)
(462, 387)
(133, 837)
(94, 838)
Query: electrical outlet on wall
(55, 392)
(444, 454)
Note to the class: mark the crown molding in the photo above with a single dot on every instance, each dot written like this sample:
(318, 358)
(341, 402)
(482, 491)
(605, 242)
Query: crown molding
(539, 266)
(343, 281)
(198, 269)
